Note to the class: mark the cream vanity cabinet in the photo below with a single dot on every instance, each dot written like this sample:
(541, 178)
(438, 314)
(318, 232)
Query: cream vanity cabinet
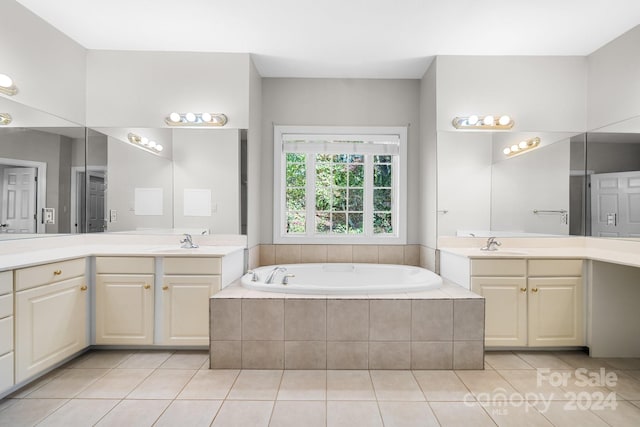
(187, 285)
(124, 310)
(6, 330)
(535, 302)
(51, 306)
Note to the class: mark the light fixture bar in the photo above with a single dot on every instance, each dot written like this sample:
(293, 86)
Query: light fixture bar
(7, 86)
(521, 147)
(490, 122)
(5, 119)
(145, 143)
(196, 119)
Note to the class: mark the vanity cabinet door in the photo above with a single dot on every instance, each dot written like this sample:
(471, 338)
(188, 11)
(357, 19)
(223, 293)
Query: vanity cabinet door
(185, 308)
(51, 325)
(505, 309)
(124, 308)
(555, 311)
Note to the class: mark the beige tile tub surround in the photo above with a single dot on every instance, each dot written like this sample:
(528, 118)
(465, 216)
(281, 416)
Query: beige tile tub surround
(400, 331)
(375, 254)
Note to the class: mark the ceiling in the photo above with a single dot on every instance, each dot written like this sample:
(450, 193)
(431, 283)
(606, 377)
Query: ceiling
(343, 38)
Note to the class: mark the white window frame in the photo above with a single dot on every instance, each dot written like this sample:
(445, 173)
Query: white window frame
(399, 237)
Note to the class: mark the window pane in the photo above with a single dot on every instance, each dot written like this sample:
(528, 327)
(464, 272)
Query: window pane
(339, 223)
(382, 159)
(382, 223)
(296, 157)
(296, 222)
(323, 222)
(323, 157)
(356, 175)
(339, 200)
(382, 199)
(382, 175)
(296, 174)
(341, 158)
(295, 199)
(355, 200)
(323, 175)
(356, 225)
(356, 158)
(323, 199)
(340, 175)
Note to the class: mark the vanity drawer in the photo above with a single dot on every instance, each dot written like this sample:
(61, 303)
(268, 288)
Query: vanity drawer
(498, 267)
(180, 265)
(32, 277)
(124, 265)
(6, 335)
(6, 305)
(6, 282)
(555, 267)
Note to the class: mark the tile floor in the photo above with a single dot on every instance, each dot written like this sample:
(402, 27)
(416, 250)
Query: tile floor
(165, 388)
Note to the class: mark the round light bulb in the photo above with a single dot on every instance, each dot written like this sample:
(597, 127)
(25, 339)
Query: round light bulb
(5, 81)
(144, 140)
(488, 120)
(152, 144)
(190, 117)
(506, 150)
(514, 148)
(206, 117)
(159, 147)
(523, 144)
(174, 117)
(504, 120)
(473, 120)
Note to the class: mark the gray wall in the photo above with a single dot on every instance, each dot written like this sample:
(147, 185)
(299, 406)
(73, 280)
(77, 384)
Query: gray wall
(339, 102)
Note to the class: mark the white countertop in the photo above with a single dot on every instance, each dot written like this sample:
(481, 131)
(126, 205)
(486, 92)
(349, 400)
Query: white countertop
(27, 258)
(617, 252)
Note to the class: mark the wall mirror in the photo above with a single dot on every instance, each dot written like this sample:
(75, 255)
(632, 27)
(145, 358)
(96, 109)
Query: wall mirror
(613, 180)
(41, 156)
(193, 185)
(483, 191)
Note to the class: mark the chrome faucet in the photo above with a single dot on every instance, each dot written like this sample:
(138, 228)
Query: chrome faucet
(492, 245)
(187, 243)
(269, 279)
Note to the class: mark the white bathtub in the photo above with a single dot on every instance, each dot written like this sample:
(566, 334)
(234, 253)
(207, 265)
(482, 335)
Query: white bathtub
(344, 279)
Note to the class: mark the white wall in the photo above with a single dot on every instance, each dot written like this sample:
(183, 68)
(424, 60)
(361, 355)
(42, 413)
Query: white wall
(141, 88)
(464, 181)
(254, 159)
(427, 174)
(535, 180)
(614, 87)
(130, 168)
(539, 93)
(207, 159)
(47, 67)
(339, 102)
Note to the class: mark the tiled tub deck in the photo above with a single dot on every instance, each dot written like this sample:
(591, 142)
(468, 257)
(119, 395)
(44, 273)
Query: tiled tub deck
(437, 329)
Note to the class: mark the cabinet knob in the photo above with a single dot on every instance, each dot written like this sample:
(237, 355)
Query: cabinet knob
(147, 286)
(523, 289)
(534, 290)
(57, 272)
(165, 288)
(83, 287)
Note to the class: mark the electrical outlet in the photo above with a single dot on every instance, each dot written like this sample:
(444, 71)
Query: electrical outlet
(113, 215)
(48, 216)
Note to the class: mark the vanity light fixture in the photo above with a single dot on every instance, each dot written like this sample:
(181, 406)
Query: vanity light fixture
(521, 147)
(5, 119)
(145, 143)
(196, 119)
(7, 86)
(489, 122)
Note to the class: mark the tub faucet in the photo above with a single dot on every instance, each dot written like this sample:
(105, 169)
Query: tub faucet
(492, 245)
(269, 279)
(187, 243)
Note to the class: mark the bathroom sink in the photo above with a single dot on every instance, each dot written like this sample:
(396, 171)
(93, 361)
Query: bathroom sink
(170, 249)
(501, 252)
